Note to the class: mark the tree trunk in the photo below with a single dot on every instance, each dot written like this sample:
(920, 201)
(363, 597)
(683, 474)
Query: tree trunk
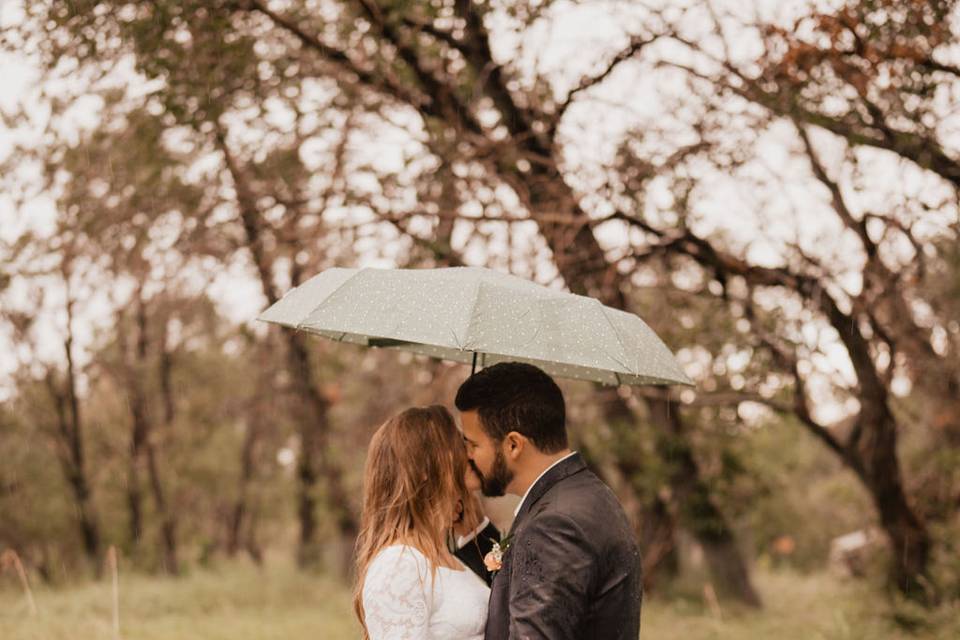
(650, 515)
(168, 523)
(71, 452)
(582, 263)
(698, 512)
(142, 450)
(166, 376)
(238, 513)
(137, 435)
(870, 450)
(314, 455)
(312, 412)
(81, 485)
(134, 499)
(86, 515)
(658, 539)
(879, 469)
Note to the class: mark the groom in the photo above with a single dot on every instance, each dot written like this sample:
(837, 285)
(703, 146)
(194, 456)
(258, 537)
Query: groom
(570, 567)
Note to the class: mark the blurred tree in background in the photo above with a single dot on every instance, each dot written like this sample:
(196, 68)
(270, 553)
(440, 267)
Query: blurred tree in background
(773, 190)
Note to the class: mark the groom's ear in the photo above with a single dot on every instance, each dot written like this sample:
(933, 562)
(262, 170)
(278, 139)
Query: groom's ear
(514, 444)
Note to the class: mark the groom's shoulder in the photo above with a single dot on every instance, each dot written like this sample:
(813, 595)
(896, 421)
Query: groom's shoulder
(582, 497)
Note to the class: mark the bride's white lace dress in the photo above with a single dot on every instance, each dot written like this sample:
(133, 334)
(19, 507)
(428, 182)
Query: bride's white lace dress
(402, 602)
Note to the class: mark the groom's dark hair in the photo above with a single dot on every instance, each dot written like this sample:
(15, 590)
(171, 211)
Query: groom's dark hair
(513, 396)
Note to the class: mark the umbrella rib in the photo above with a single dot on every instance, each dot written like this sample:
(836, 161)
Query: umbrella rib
(473, 308)
(536, 334)
(456, 339)
(623, 347)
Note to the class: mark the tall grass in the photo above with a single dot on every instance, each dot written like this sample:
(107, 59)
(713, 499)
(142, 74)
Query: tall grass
(10, 560)
(241, 602)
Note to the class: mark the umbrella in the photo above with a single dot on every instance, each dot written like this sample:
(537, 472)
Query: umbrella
(471, 315)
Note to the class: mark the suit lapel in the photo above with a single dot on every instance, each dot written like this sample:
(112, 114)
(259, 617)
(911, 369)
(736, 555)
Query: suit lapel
(563, 469)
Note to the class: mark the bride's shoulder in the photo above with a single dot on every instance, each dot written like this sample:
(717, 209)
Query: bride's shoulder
(398, 573)
(400, 551)
(398, 557)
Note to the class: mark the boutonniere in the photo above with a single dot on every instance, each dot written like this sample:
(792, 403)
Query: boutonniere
(493, 561)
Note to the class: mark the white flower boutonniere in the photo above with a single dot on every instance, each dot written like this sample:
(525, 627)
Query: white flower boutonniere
(493, 561)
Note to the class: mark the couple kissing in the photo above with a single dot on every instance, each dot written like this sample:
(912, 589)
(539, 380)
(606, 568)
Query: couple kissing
(431, 566)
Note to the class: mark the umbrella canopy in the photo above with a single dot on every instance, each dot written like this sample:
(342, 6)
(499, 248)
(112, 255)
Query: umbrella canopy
(471, 314)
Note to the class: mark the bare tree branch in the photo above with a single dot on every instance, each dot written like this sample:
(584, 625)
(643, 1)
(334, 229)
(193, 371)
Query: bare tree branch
(839, 203)
(367, 76)
(637, 43)
(789, 361)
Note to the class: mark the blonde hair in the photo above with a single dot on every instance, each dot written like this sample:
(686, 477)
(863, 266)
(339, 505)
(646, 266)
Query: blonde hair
(413, 484)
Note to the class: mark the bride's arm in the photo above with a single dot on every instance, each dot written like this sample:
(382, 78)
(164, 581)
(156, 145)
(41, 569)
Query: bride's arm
(397, 598)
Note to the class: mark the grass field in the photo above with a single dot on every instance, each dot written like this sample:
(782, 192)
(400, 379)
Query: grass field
(241, 602)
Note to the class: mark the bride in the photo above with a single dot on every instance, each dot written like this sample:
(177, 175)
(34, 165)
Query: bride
(410, 583)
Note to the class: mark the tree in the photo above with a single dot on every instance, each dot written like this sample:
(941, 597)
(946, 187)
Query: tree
(519, 149)
(65, 426)
(868, 74)
(484, 134)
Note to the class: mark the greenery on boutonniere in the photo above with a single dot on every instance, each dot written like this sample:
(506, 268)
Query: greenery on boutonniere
(493, 561)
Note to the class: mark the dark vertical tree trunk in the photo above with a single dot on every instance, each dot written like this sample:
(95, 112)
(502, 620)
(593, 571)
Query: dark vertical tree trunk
(315, 460)
(238, 513)
(879, 470)
(168, 524)
(168, 519)
(650, 515)
(142, 450)
(70, 447)
(78, 478)
(250, 538)
(312, 410)
(658, 539)
(137, 437)
(166, 376)
(134, 495)
(698, 512)
(241, 516)
(586, 270)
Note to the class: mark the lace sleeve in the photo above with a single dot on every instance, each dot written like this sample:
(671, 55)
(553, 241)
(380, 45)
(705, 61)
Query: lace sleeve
(397, 595)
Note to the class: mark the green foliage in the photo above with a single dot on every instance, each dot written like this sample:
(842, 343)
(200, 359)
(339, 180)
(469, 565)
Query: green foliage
(35, 507)
(790, 489)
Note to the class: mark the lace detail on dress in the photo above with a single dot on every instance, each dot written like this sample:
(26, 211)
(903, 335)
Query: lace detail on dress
(403, 601)
(397, 595)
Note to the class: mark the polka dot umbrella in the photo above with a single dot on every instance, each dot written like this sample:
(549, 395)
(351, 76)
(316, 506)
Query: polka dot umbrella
(479, 316)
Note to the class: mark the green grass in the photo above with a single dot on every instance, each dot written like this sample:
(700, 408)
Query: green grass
(241, 602)
(237, 602)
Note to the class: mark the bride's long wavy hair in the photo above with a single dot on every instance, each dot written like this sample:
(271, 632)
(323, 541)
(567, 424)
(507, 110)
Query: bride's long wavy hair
(413, 487)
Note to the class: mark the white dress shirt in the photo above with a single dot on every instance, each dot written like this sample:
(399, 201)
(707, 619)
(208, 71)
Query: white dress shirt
(463, 540)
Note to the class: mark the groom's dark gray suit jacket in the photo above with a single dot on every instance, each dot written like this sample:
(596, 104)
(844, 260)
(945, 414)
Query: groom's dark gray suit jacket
(572, 568)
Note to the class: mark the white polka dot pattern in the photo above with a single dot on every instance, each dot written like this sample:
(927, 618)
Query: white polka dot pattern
(456, 312)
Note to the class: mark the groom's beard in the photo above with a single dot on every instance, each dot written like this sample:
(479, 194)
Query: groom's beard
(495, 484)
